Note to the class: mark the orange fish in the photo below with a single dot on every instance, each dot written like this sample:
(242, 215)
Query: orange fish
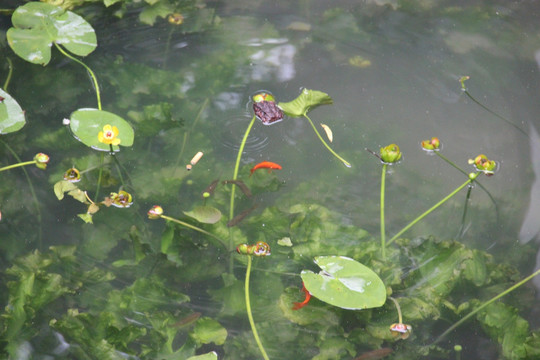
(299, 305)
(266, 165)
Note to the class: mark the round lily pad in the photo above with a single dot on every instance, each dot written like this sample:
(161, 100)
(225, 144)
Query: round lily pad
(11, 114)
(37, 25)
(85, 124)
(205, 214)
(345, 283)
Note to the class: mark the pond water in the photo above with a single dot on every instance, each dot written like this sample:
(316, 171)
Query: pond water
(131, 287)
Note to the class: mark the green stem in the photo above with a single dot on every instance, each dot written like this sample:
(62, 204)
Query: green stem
(464, 88)
(400, 318)
(92, 75)
(220, 242)
(186, 134)
(235, 175)
(10, 72)
(101, 159)
(451, 163)
(250, 315)
(462, 227)
(13, 166)
(345, 162)
(472, 177)
(495, 298)
(383, 231)
(32, 191)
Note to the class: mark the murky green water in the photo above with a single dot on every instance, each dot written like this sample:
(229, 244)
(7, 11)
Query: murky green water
(130, 287)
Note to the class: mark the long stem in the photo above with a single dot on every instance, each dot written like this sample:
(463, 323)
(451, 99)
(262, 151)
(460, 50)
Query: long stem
(451, 163)
(220, 242)
(13, 166)
(400, 318)
(32, 191)
(250, 315)
(464, 88)
(383, 231)
(186, 134)
(10, 72)
(495, 298)
(464, 216)
(100, 173)
(235, 175)
(345, 162)
(431, 209)
(92, 75)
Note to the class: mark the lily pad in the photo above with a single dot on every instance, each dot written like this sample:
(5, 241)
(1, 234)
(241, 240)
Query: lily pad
(85, 124)
(345, 283)
(11, 114)
(37, 25)
(205, 214)
(307, 100)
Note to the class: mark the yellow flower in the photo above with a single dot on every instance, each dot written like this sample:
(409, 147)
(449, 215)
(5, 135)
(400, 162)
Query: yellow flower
(109, 135)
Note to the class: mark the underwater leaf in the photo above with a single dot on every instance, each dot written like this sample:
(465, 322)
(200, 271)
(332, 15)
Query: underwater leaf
(37, 25)
(205, 214)
(11, 114)
(86, 124)
(208, 356)
(208, 331)
(345, 283)
(304, 102)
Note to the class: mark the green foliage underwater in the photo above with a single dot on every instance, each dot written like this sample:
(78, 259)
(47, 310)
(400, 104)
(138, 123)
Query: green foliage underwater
(138, 224)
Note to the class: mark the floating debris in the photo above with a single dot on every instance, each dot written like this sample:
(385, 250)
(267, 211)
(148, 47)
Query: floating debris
(359, 61)
(328, 132)
(194, 161)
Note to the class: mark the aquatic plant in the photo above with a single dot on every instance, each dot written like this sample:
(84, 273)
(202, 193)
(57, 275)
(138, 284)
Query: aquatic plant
(259, 249)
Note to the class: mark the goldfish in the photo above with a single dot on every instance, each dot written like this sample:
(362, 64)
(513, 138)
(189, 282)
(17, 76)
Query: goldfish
(299, 305)
(266, 165)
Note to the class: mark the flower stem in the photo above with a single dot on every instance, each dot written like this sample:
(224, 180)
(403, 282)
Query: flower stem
(10, 72)
(13, 166)
(451, 163)
(495, 298)
(100, 173)
(250, 315)
(400, 318)
(345, 162)
(464, 216)
(491, 111)
(383, 231)
(92, 75)
(220, 242)
(233, 189)
(32, 191)
(431, 209)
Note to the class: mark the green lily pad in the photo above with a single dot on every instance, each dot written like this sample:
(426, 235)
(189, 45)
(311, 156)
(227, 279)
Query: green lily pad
(304, 102)
(37, 25)
(205, 214)
(85, 124)
(11, 114)
(345, 283)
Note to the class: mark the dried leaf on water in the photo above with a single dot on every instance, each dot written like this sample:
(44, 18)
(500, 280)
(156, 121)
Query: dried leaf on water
(328, 132)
